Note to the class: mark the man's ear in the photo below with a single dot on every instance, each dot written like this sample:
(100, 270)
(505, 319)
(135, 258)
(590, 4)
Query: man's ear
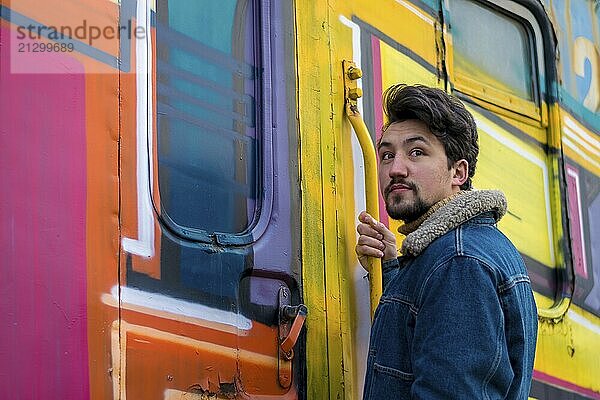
(460, 172)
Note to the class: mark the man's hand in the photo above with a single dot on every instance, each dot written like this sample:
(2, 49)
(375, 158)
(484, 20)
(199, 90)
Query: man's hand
(374, 240)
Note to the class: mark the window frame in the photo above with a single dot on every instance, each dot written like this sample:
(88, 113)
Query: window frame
(529, 111)
(264, 150)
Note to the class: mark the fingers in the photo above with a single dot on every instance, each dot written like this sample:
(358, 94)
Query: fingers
(368, 230)
(376, 226)
(375, 239)
(369, 242)
(363, 251)
(366, 218)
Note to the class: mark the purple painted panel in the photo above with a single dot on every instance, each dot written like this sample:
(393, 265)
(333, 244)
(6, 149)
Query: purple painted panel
(43, 330)
(277, 250)
(593, 299)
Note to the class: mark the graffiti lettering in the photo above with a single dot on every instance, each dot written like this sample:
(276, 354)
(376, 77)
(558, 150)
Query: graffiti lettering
(583, 50)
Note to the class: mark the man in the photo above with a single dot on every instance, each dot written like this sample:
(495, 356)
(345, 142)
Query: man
(457, 318)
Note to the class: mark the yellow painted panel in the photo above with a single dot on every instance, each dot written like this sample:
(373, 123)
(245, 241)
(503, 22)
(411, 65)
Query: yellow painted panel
(400, 20)
(519, 169)
(397, 67)
(568, 350)
(543, 302)
(312, 41)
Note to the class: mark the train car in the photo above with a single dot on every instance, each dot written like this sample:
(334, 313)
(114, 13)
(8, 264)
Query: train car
(181, 179)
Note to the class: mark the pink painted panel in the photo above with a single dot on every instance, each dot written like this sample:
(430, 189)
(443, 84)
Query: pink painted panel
(565, 385)
(377, 103)
(43, 329)
(576, 231)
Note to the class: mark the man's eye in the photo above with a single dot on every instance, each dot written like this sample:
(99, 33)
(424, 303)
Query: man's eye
(416, 152)
(387, 156)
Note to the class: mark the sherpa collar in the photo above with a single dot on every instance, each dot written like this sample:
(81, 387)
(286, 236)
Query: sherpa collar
(451, 215)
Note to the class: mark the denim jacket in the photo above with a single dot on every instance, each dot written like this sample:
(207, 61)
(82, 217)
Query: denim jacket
(457, 319)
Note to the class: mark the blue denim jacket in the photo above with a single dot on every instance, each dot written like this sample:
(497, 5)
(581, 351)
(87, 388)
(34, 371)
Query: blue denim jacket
(458, 321)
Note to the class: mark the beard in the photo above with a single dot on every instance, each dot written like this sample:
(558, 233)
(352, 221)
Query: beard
(404, 209)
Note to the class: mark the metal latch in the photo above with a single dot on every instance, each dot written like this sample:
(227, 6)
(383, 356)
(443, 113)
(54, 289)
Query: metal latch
(290, 322)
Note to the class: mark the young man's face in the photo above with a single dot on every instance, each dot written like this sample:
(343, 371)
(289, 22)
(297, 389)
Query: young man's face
(413, 170)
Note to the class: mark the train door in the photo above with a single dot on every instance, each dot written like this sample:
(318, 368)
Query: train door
(391, 42)
(210, 246)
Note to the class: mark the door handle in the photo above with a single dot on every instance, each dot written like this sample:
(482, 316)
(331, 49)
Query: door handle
(290, 322)
(351, 94)
(298, 314)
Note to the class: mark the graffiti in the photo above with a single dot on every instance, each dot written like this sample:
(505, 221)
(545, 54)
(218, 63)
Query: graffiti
(585, 52)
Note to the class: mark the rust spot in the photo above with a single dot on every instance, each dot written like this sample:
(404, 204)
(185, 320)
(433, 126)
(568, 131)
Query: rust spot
(226, 391)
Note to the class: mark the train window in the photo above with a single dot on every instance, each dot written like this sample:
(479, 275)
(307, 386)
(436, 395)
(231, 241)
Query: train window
(206, 94)
(493, 57)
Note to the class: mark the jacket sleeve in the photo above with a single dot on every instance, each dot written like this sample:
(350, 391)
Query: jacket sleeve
(459, 348)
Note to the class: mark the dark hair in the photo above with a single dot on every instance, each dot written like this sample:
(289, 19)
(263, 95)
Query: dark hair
(445, 116)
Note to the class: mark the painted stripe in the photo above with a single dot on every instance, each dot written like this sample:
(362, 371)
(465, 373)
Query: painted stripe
(378, 111)
(395, 45)
(566, 385)
(416, 11)
(576, 128)
(585, 145)
(574, 147)
(144, 245)
(586, 323)
(155, 301)
(514, 146)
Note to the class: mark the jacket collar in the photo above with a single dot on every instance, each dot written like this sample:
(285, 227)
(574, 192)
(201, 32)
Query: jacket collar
(452, 214)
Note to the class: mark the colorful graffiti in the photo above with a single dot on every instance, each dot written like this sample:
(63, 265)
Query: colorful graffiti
(176, 173)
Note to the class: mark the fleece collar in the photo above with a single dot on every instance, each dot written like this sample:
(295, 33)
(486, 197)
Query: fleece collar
(453, 214)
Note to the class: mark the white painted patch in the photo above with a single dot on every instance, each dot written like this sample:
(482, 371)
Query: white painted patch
(586, 323)
(357, 155)
(171, 305)
(356, 53)
(515, 146)
(144, 244)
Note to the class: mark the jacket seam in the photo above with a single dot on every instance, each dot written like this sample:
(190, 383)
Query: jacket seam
(512, 282)
(419, 298)
(393, 299)
(497, 357)
(405, 376)
(458, 236)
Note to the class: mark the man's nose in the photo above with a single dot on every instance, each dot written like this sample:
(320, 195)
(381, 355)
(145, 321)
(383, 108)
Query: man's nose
(399, 167)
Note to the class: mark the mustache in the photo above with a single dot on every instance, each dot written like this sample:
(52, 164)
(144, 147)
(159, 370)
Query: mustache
(408, 184)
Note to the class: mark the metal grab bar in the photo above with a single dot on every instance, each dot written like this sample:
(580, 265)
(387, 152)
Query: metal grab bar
(351, 94)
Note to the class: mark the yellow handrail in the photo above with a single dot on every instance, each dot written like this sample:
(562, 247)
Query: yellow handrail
(352, 93)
